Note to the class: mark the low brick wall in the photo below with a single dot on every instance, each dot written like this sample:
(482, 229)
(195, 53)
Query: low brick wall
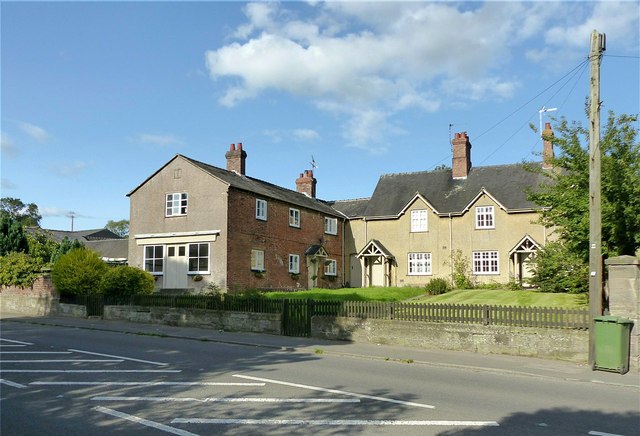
(231, 321)
(560, 344)
(36, 300)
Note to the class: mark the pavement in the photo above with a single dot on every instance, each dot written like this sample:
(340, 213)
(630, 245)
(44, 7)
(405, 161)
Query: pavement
(514, 365)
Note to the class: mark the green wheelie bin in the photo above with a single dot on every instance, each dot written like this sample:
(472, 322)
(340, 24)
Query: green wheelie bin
(612, 336)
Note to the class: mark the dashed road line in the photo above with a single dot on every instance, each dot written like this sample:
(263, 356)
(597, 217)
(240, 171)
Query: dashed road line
(12, 384)
(84, 383)
(601, 433)
(119, 357)
(34, 352)
(227, 400)
(16, 342)
(335, 422)
(64, 361)
(89, 371)
(336, 391)
(143, 421)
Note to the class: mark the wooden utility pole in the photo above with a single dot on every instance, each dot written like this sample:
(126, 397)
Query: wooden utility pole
(595, 212)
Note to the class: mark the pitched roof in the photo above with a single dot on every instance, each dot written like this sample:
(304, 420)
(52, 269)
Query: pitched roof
(505, 183)
(110, 249)
(80, 235)
(351, 208)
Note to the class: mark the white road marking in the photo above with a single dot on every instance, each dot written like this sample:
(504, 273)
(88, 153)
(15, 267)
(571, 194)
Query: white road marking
(336, 391)
(119, 357)
(227, 400)
(63, 361)
(143, 421)
(601, 433)
(16, 342)
(93, 371)
(10, 383)
(384, 422)
(35, 352)
(11, 345)
(143, 384)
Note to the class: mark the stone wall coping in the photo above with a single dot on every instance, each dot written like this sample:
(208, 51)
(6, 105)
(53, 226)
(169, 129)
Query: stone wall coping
(622, 260)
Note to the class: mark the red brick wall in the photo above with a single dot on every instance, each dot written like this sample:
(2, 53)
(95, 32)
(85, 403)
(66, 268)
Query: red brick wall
(41, 287)
(277, 239)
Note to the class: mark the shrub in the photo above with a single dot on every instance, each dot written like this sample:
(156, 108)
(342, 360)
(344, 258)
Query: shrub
(556, 269)
(127, 280)
(65, 246)
(461, 276)
(19, 269)
(79, 271)
(438, 286)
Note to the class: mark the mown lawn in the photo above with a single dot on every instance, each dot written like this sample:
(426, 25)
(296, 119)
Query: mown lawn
(499, 297)
(351, 294)
(417, 295)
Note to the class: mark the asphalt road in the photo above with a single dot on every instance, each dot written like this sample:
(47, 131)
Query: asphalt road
(64, 381)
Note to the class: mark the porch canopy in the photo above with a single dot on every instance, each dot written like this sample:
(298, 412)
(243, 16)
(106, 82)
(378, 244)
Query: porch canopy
(377, 262)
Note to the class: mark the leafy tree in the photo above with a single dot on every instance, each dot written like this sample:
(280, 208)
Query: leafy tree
(25, 214)
(127, 280)
(64, 247)
(566, 196)
(12, 237)
(567, 193)
(19, 269)
(120, 228)
(79, 271)
(41, 246)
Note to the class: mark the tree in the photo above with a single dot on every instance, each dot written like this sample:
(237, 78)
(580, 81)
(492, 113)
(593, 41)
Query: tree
(41, 246)
(567, 192)
(25, 214)
(65, 246)
(12, 238)
(120, 228)
(566, 198)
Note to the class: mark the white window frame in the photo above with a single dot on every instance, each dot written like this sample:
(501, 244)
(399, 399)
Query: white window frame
(294, 264)
(198, 257)
(153, 259)
(419, 220)
(330, 267)
(261, 209)
(485, 217)
(176, 204)
(331, 225)
(294, 217)
(257, 260)
(419, 264)
(486, 262)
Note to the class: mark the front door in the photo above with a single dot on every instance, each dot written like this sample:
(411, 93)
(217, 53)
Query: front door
(356, 271)
(175, 275)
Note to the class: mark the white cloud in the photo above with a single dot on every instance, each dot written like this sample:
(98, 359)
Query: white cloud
(7, 146)
(70, 169)
(160, 140)
(305, 134)
(384, 57)
(36, 132)
(60, 212)
(7, 185)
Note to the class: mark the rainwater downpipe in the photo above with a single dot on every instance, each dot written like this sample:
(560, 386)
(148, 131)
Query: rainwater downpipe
(450, 245)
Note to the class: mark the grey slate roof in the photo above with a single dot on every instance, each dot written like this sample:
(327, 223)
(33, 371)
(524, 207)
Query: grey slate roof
(351, 208)
(506, 183)
(116, 249)
(80, 235)
(266, 189)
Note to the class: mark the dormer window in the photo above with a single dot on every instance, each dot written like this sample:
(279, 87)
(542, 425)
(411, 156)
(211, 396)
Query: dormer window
(176, 204)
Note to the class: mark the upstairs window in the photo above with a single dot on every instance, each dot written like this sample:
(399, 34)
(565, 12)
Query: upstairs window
(330, 267)
(176, 204)
(261, 210)
(199, 258)
(331, 225)
(294, 217)
(484, 217)
(257, 260)
(294, 264)
(419, 220)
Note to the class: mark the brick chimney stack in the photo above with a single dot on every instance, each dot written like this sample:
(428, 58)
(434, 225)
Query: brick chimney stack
(306, 184)
(547, 147)
(236, 157)
(461, 156)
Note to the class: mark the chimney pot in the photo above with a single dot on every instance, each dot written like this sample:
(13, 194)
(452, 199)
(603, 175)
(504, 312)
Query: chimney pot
(232, 147)
(239, 145)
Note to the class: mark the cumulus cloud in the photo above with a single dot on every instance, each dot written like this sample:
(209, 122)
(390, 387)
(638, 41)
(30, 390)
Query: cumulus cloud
(69, 169)
(7, 146)
(381, 58)
(160, 140)
(35, 132)
(305, 134)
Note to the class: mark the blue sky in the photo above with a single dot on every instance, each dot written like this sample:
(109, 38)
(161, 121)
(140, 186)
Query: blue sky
(98, 96)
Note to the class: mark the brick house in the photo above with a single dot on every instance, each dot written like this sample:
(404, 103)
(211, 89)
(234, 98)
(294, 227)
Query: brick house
(415, 225)
(192, 224)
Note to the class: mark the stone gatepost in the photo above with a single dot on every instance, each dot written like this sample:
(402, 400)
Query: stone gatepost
(624, 298)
